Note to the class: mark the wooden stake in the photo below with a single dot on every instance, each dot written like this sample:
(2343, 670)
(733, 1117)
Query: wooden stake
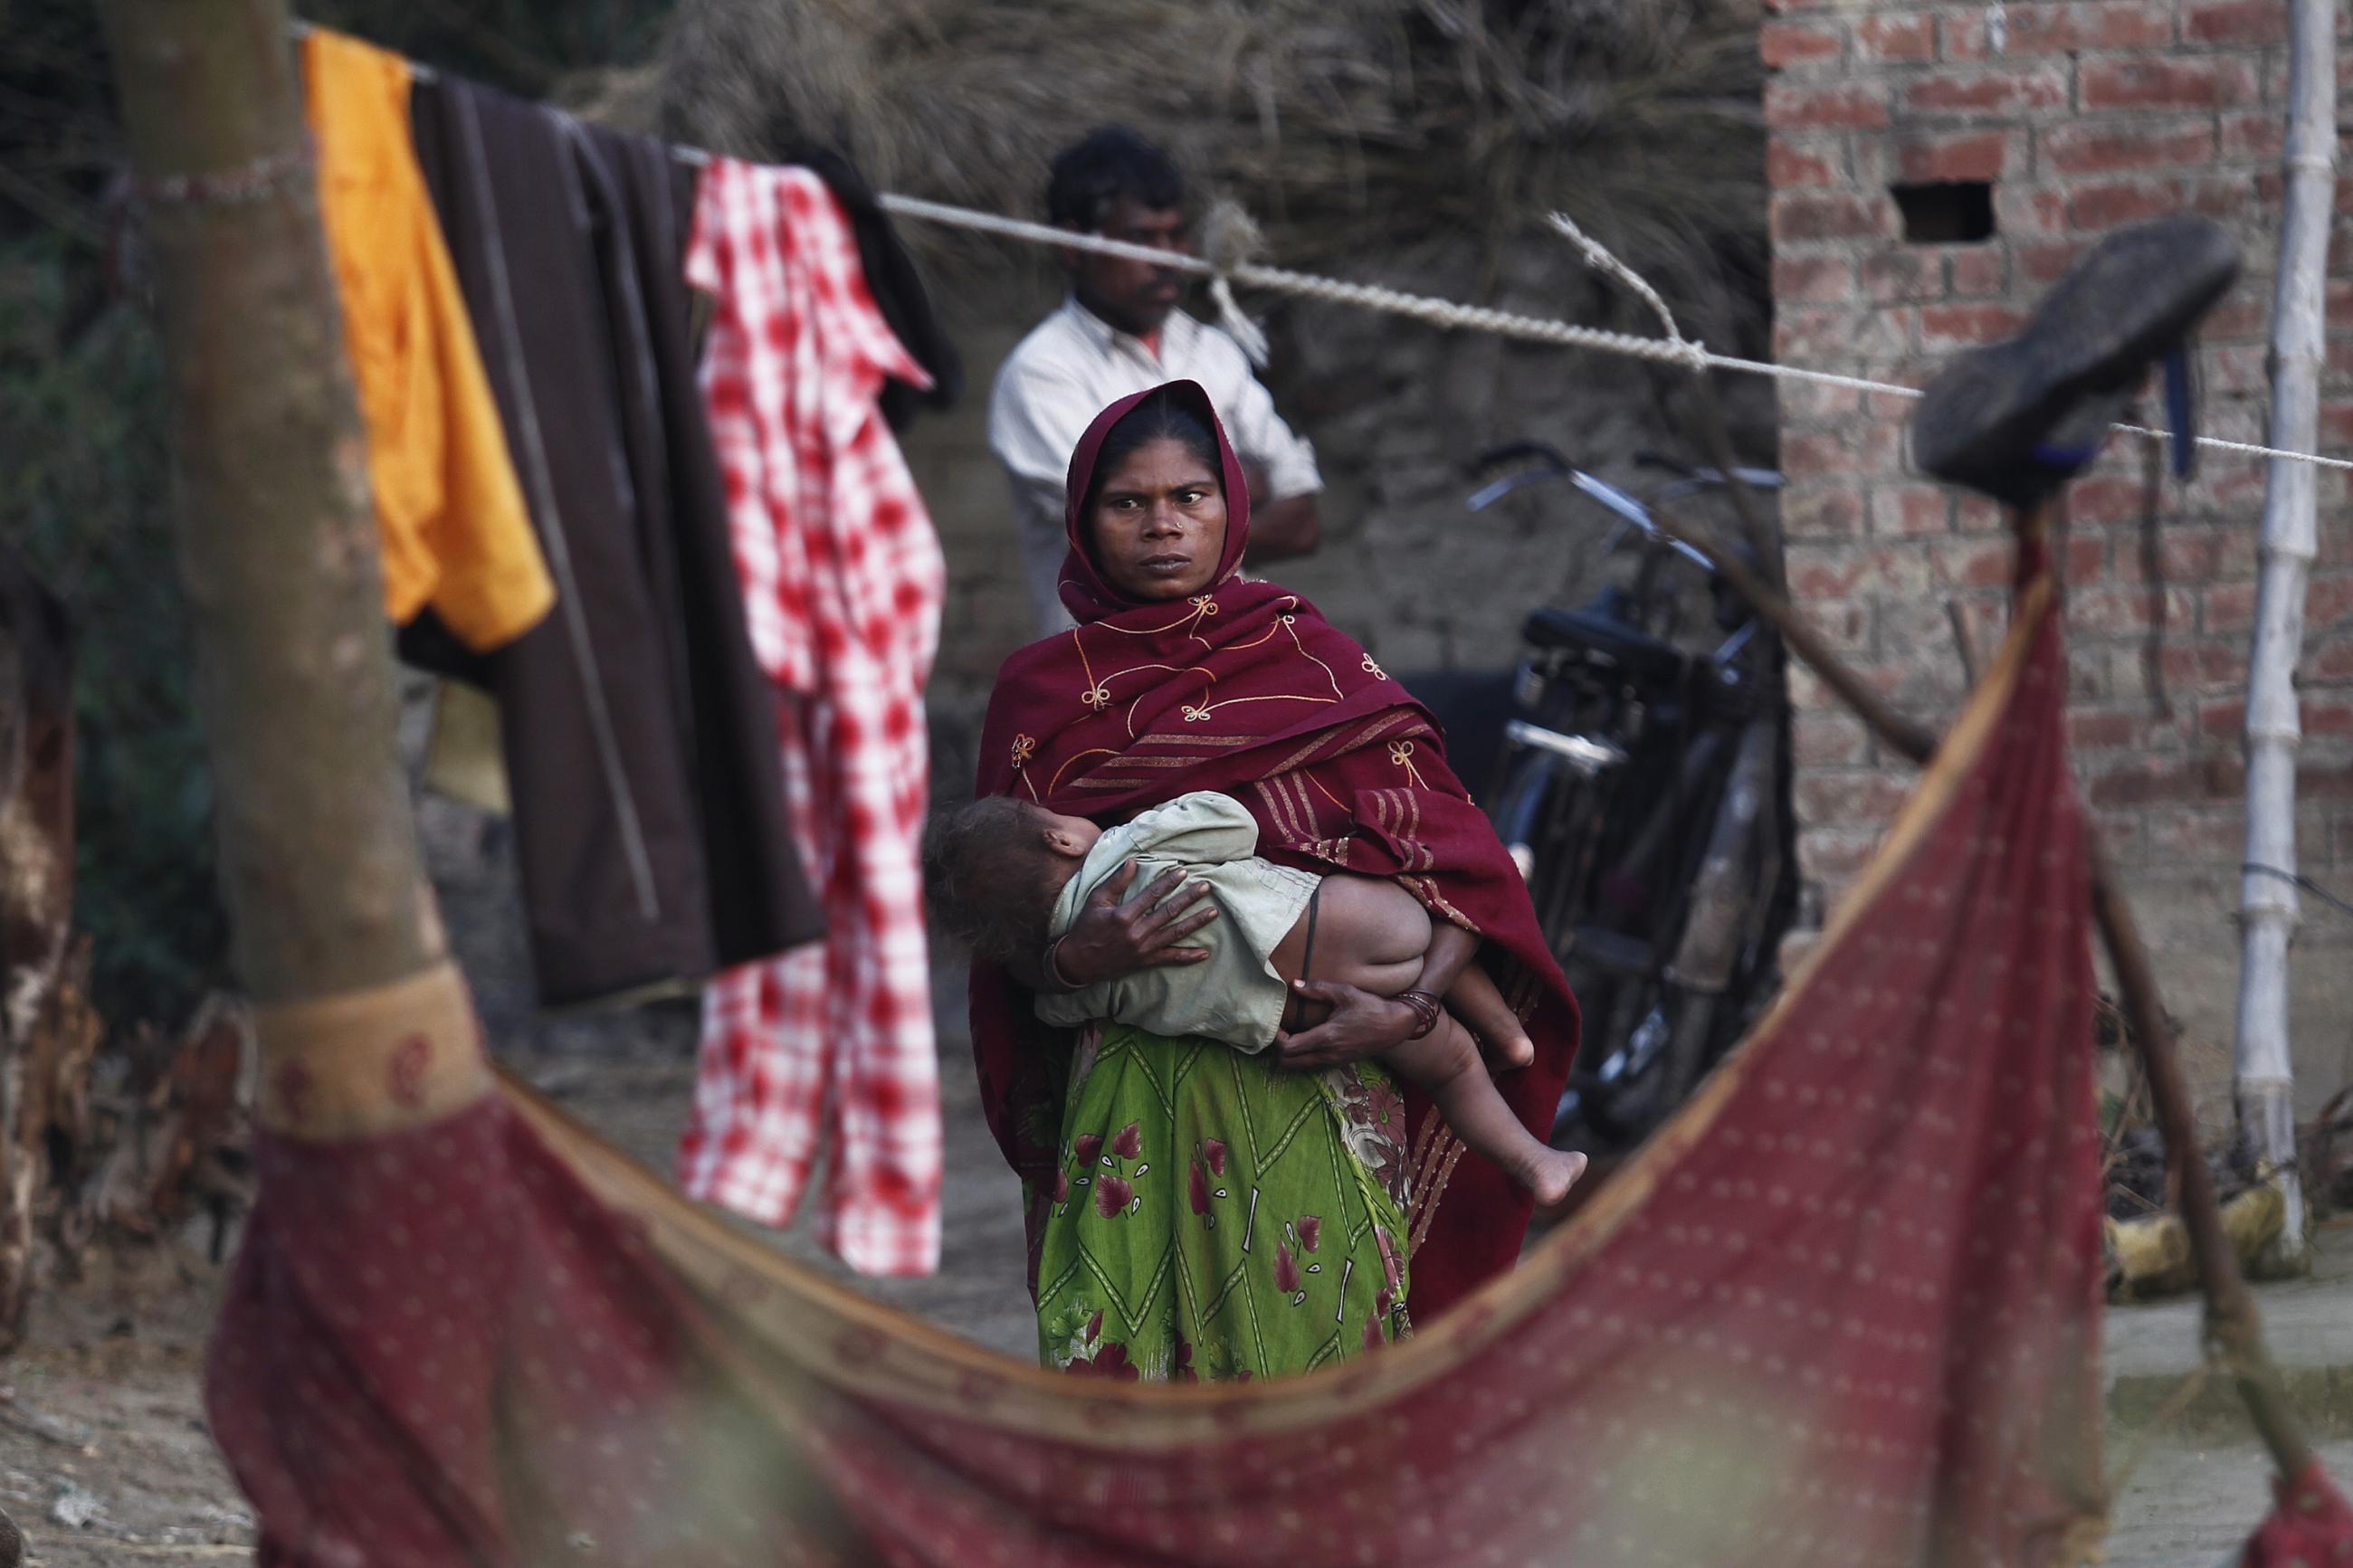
(277, 539)
(2233, 1328)
(1916, 742)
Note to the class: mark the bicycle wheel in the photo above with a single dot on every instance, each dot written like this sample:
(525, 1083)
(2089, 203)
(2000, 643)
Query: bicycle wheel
(1551, 820)
(1692, 1008)
(1519, 809)
(1537, 816)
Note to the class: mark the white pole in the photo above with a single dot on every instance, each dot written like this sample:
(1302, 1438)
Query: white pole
(2268, 898)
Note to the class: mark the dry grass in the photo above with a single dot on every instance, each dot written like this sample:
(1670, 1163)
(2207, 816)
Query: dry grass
(1363, 133)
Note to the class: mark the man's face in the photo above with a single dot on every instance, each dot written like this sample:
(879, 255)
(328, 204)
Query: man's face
(1134, 296)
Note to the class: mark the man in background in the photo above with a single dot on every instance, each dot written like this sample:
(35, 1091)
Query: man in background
(1119, 332)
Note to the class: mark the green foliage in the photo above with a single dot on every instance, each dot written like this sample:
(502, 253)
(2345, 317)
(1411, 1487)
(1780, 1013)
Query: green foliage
(86, 493)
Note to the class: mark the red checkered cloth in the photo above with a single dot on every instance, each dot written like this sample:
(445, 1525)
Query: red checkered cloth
(828, 1046)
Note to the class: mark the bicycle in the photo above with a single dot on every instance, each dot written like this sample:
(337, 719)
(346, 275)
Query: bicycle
(1643, 791)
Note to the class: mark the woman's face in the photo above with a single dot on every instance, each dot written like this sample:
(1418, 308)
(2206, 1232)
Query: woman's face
(1158, 524)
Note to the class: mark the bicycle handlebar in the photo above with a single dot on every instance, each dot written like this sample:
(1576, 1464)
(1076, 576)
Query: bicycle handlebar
(1552, 465)
(1512, 451)
(1701, 477)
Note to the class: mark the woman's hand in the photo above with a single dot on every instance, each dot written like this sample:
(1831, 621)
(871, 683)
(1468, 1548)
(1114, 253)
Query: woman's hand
(1362, 1024)
(1111, 939)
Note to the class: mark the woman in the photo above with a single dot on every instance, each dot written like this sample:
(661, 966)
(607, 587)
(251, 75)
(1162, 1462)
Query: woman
(1193, 1211)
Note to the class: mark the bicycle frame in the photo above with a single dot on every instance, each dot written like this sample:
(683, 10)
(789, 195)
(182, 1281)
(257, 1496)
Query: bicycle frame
(1656, 887)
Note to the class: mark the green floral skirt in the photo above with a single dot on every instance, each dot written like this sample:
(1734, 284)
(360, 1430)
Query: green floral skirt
(1215, 1216)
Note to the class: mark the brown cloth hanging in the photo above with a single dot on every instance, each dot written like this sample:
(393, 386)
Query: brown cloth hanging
(639, 735)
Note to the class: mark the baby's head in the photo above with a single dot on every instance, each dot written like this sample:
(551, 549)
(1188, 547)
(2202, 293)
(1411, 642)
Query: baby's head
(993, 870)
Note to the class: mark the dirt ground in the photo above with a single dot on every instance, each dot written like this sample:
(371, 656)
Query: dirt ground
(105, 1461)
(104, 1455)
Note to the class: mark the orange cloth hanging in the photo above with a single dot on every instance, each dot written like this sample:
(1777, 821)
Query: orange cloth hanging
(449, 512)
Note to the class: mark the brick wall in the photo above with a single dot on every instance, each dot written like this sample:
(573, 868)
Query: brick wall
(2083, 116)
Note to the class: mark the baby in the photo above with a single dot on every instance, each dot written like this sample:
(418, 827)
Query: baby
(1012, 876)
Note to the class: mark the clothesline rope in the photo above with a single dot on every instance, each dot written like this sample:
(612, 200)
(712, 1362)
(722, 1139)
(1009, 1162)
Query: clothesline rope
(1449, 313)
(1672, 349)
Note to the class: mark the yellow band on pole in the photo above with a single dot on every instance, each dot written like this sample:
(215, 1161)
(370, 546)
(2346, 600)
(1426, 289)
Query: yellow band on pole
(369, 1062)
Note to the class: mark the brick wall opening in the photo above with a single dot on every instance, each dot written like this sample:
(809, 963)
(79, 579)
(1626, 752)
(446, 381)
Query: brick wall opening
(1949, 212)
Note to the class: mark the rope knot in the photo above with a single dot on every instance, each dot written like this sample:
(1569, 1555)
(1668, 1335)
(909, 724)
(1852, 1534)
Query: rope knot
(1024, 748)
(1230, 240)
(1691, 354)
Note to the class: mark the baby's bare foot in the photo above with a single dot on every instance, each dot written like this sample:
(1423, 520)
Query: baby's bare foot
(1552, 1174)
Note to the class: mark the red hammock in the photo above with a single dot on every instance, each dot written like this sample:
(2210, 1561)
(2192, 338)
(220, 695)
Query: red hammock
(1843, 1309)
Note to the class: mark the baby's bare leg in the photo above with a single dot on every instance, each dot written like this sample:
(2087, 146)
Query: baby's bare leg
(1445, 1062)
(1373, 934)
(1369, 933)
(1486, 1015)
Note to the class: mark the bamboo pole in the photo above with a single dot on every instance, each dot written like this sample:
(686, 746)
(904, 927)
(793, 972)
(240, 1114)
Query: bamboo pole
(2262, 1065)
(276, 542)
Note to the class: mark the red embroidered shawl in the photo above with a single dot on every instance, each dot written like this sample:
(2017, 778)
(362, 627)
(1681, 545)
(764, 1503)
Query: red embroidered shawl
(1248, 690)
